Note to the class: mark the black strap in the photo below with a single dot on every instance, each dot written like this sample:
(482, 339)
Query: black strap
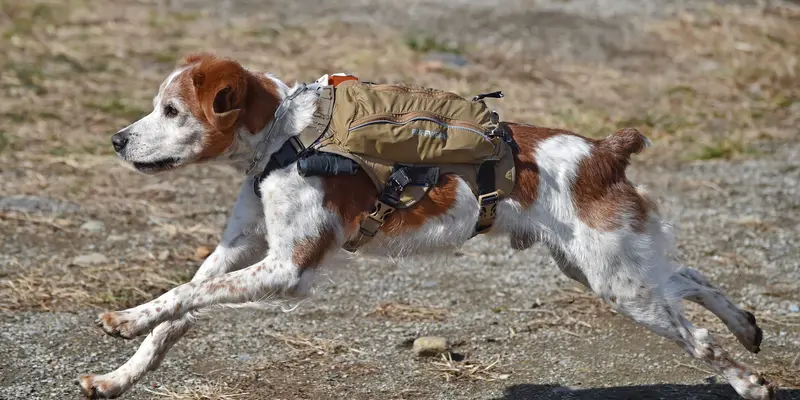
(503, 132)
(285, 156)
(486, 177)
(494, 95)
(316, 163)
(397, 181)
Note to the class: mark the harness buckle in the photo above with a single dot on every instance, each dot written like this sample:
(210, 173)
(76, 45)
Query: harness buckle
(487, 211)
(370, 225)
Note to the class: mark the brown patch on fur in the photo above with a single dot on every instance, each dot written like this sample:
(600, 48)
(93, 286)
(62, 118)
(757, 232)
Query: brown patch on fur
(602, 192)
(352, 210)
(223, 95)
(528, 139)
(340, 198)
(309, 252)
(437, 202)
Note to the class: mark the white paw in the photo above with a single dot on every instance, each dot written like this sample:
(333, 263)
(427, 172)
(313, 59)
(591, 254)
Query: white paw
(124, 324)
(100, 387)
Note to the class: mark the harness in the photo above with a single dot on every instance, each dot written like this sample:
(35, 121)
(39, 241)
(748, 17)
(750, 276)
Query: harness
(399, 185)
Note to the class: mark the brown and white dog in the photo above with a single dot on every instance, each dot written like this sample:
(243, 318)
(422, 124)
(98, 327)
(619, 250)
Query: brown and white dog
(571, 194)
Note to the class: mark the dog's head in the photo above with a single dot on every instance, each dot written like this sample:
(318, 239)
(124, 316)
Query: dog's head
(197, 114)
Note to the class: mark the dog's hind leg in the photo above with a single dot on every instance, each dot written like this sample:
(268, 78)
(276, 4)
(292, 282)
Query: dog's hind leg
(646, 298)
(689, 284)
(241, 245)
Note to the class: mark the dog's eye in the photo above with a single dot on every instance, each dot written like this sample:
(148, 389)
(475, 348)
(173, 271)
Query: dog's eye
(170, 111)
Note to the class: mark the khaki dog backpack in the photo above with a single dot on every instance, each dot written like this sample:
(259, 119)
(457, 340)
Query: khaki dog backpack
(404, 137)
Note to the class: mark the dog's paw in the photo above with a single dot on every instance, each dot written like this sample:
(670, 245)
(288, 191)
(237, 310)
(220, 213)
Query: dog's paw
(121, 324)
(99, 387)
(752, 386)
(751, 335)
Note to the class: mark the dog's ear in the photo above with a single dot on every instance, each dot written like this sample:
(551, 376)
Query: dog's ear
(229, 94)
(221, 87)
(260, 104)
(225, 112)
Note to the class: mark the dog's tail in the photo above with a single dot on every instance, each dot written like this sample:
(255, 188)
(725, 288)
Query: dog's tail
(626, 142)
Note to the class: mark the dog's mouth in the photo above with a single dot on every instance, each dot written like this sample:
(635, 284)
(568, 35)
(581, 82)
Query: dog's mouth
(156, 166)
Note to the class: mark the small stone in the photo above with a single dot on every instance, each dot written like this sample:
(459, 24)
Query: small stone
(163, 256)
(430, 346)
(93, 226)
(201, 253)
(116, 238)
(90, 259)
(794, 308)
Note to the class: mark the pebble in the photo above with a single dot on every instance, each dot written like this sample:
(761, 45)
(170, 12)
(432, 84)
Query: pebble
(430, 346)
(93, 226)
(90, 259)
(116, 238)
(163, 256)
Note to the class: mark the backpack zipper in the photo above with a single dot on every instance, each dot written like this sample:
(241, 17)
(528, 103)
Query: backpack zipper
(383, 119)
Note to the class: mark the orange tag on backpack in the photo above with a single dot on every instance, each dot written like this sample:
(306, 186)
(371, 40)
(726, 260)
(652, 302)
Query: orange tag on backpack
(335, 80)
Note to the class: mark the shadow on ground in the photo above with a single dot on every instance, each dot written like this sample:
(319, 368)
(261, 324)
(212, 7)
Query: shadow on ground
(641, 392)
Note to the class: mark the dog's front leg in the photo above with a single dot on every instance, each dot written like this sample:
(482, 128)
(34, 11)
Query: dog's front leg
(272, 277)
(242, 244)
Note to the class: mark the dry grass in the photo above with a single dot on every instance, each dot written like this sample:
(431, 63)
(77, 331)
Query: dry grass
(720, 82)
(313, 346)
(451, 370)
(200, 392)
(407, 312)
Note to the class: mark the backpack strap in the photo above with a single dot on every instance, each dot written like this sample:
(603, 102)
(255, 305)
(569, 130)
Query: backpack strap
(488, 196)
(389, 200)
(296, 146)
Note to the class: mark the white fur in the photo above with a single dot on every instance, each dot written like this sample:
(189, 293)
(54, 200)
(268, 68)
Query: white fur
(631, 271)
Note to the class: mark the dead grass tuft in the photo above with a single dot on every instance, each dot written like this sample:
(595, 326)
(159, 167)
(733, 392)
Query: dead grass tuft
(451, 370)
(407, 312)
(200, 392)
(313, 346)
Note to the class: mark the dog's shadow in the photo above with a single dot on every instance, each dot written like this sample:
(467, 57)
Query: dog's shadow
(643, 392)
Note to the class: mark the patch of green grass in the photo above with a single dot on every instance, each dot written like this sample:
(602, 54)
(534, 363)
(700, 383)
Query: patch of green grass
(187, 16)
(25, 17)
(29, 76)
(724, 149)
(5, 142)
(681, 89)
(263, 31)
(426, 44)
(58, 151)
(116, 108)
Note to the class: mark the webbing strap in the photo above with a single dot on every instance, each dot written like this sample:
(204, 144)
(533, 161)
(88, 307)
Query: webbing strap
(389, 199)
(488, 196)
(293, 149)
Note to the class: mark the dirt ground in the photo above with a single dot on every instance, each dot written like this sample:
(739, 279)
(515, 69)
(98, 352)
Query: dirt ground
(715, 85)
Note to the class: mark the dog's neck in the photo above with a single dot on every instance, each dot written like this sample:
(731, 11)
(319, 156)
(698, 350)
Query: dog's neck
(249, 152)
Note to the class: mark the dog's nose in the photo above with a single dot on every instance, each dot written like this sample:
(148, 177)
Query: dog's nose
(120, 140)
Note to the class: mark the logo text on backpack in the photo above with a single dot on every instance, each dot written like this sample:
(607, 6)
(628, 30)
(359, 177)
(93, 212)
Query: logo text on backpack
(427, 133)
